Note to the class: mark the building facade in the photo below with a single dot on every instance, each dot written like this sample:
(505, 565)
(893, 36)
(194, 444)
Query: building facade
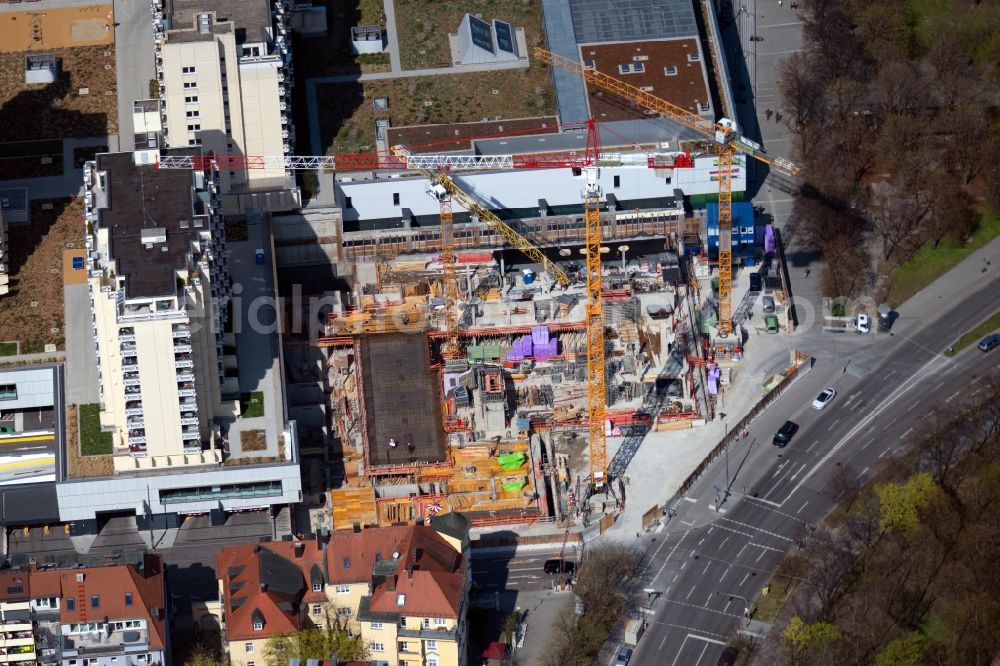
(403, 589)
(158, 287)
(113, 615)
(225, 75)
(4, 259)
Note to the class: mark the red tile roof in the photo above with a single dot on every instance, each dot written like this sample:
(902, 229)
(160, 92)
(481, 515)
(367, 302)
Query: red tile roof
(109, 584)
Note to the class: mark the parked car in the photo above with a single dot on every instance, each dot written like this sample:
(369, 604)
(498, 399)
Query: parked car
(728, 657)
(785, 433)
(990, 342)
(259, 257)
(824, 398)
(624, 656)
(863, 323)
(559, 566)
(755, 282)
(771, 323)
(768, 302)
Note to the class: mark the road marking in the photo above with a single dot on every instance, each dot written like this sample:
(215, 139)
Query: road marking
(851, 398)
(701, 542)
(746, 534)
(799, 472)
(759, 529)
(761, 556)
(676, 576)
(710, 610)
(709, 600)
(890, 374)
(812, 445)
(721, 545)
(728, 604)
(889, 424)
(778, 471)
(669, 555)
(760, 545)
(833, 425)
(775, 486)
(863, 472)
(906, 433)
(710, 530)
(741, 551)
(917, 376)
(683, 564)
(691, 499)
(884, 453)
(744, 579)
(770, 53)
(802, 507)
(691, 592)
(866, 444)
(780, 25)
(706, 569)
(724, 573)
(952, 396)
(914, 405)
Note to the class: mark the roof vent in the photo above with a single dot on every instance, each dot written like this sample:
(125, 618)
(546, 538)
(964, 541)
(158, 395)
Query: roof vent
(153, 235)
(395, 554)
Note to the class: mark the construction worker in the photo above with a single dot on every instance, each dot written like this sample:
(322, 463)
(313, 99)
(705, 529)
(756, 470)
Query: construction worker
(392, 442)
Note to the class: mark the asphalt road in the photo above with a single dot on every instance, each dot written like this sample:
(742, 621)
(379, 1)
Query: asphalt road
(711, 560)
(499, 571)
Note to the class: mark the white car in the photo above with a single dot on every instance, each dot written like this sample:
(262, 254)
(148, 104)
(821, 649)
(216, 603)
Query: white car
(863, 324)
(824, 398)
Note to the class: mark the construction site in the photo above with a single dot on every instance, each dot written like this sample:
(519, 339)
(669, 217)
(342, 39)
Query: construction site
(504, 317)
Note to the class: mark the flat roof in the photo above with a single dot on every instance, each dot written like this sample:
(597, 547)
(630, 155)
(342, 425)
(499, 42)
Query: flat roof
(624, 20)
(249, 17)
(30, 504)
(140, 199)
(686, 87)
(402, 400)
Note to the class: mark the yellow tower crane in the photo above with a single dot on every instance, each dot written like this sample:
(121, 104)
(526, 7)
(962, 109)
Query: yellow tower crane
(727, 141)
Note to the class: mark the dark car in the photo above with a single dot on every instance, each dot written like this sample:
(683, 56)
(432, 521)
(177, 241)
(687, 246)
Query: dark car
(728, 657)
(559, 566)
(785, 432)
(755, 282)
(989, 342)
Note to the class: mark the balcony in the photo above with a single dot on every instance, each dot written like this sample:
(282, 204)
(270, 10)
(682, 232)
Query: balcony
(189, 406)
(133, 411)
(138, 439)
(100, 642)
(429, 634)
(185, 377)
(135, 424)
(181, 332)
(189, 435)
(126, 338)
(189, 421)
(131, 381)
(188, 363)
(187, 393)
(182, 348)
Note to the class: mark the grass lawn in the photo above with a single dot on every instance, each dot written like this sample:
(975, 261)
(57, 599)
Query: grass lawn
(788, 574)
(253, 440)
(423, 26)
(976, 334)
(252, 404)
(347, 118)
(8, 348)
(93, 442)
(929, 263)
(32, 312)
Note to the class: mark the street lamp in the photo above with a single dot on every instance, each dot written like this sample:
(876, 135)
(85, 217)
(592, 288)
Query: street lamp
(746, 606)
(623, 249)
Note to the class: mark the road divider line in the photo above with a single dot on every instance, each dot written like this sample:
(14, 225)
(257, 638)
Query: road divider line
(885, 453)
(802, 507)
(691, 592)
(724, 573)
(799, 471)
(744, 579)
(759, 529)
(863, 472)
(760, 545)
(903, 436)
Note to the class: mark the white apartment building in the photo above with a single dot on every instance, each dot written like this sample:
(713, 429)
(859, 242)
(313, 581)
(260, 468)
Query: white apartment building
(225, 76)
(158, 288)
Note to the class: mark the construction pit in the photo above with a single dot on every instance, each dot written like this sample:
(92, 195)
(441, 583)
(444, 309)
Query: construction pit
(501, 432)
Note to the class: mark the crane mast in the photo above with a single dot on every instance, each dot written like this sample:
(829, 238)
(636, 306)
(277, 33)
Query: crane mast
(596, 370)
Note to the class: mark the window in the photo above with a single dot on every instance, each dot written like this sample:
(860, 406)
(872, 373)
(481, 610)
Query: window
(440, 622)
(250, 663)
(317, 587)
(670, 70)
(618, 181)
(193, 114)
(693, 57)
(194, 128)
(258, 626)
(402, 622)
(347, 202)
(427, 623)
(317, 609)
(432, 661)
(70, 603)
(395, 198)
(344, 589)
(194, 142)
(188, 70)
(128, 598)
(95, 601)
(190, 84)
(376, 625)
(400, 601)
(8, 391)
(344, 612)
(248, 647)
(432, 645)
(378, 647)
(631, 68)
(590, 63)
(191, 99)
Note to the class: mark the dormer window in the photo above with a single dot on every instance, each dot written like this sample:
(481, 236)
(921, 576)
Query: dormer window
(258, 626)
(317, 587)
(400, 599)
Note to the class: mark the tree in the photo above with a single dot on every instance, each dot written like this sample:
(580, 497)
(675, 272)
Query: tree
(800, 638)
(202, 655)
(318, 643)
(900, 503)
(905, 651)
